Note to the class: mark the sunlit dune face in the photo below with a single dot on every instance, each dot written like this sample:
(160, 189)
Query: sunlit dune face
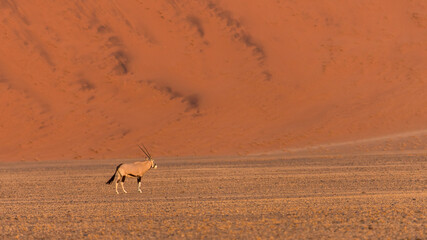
(207, 77)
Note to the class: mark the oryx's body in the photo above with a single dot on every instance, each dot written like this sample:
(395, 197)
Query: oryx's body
(136, 169)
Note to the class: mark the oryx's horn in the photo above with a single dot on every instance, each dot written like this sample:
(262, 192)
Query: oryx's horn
(149, 154)
(144, 152)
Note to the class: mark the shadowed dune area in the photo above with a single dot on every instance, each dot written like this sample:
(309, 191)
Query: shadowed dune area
(91, 79)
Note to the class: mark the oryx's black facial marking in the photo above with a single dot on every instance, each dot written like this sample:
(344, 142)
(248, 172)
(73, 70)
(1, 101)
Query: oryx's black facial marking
(123, 178)
(139, 179)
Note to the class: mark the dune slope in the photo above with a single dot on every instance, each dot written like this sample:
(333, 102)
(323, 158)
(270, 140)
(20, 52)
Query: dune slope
(91, 79)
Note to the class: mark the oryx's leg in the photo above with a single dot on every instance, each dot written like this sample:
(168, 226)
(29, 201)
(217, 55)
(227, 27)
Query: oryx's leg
(139, 184)
(123, 179)
(117, 182)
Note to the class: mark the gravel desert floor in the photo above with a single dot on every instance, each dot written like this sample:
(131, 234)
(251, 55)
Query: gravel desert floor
(340, 197)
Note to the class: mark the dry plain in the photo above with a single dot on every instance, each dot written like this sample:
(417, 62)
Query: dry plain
(340, 197)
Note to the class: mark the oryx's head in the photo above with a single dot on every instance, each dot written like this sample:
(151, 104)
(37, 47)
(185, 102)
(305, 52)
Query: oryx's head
(148, 158)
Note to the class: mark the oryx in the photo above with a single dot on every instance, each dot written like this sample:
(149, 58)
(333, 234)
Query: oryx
(136, 169)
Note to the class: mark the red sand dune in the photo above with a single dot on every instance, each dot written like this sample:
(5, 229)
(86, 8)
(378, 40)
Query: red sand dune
(91, 79)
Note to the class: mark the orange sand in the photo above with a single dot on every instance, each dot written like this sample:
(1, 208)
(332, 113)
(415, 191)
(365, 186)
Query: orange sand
(91, 79)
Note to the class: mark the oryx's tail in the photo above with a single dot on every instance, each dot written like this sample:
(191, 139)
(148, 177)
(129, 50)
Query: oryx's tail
(114, 175)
